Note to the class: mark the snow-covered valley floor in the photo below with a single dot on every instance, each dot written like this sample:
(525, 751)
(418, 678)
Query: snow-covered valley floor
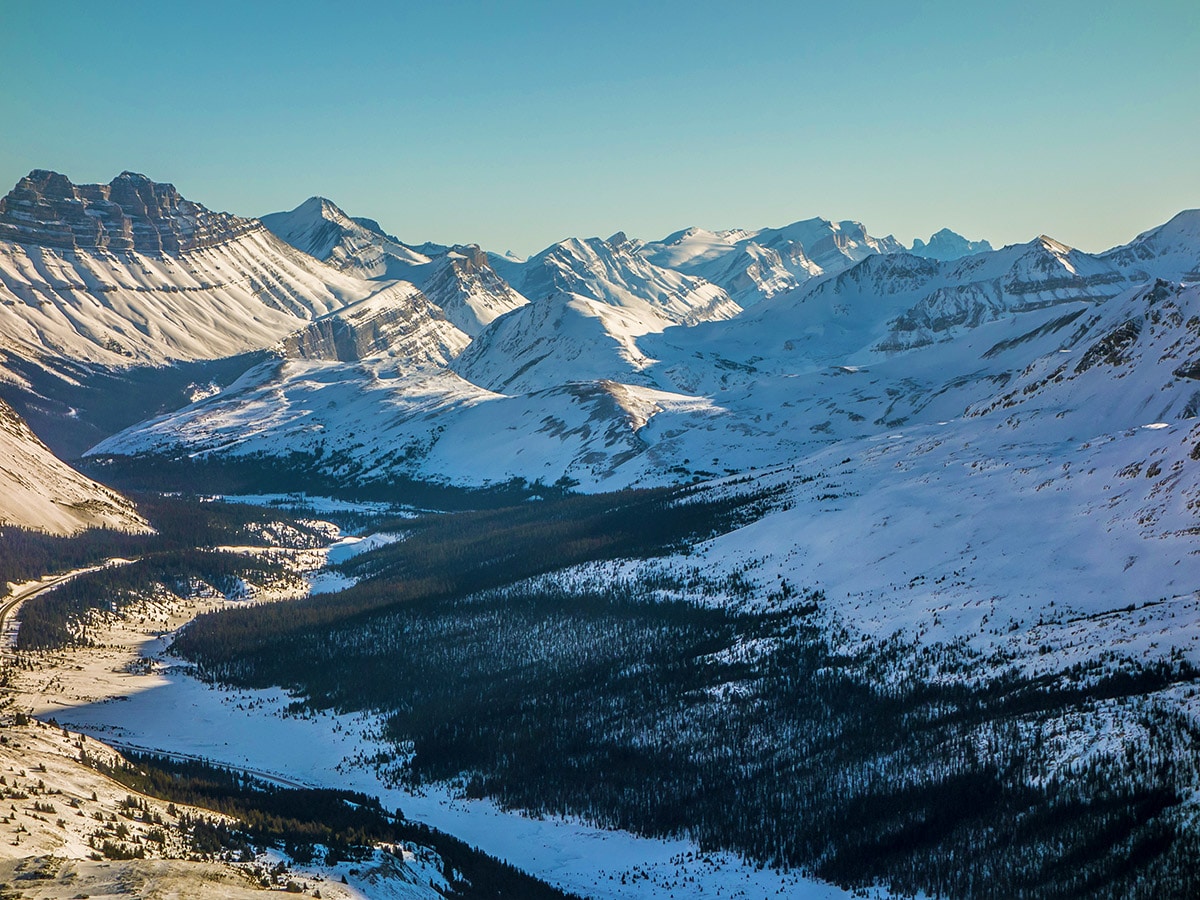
(123, 692)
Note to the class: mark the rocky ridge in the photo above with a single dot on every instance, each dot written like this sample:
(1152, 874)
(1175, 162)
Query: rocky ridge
(131, 212)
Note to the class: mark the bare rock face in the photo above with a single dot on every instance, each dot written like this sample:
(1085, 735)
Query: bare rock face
(398, 321)
(129, 213)
(466, 287)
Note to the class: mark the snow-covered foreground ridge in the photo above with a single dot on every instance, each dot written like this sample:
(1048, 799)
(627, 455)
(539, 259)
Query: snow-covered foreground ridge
(39, 491)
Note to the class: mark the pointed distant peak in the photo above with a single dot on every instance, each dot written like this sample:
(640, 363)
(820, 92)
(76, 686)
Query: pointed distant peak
(320, 206)
(1048, 243)
(575, 246)
(623, 244)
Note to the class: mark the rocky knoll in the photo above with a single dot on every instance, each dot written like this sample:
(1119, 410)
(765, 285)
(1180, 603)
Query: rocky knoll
(129, 213)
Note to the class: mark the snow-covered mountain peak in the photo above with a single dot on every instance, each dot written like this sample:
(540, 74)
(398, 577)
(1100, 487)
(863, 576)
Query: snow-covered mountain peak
(321, 207)
(621, 243)
(467, 288)
(1058, 248)
(594, 268)
(831, 245)
(755, 265)
(131, 272)
(320, 228)
(947, 245)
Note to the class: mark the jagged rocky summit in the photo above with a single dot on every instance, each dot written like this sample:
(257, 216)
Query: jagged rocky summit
(131, 212)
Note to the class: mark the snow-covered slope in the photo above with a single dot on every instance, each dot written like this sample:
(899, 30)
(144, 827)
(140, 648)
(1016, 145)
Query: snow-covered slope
(592, 299)
(130, 273)
(1034, 553)
(356, 246)
(755, 265)
(556, 340)
(1134, 361)
(468, 289)
(947, 245)
(894, 302)
(1170, 251)
(371, 420)
(895, 341)
(39, 491)
(747, 270)
(611, 272)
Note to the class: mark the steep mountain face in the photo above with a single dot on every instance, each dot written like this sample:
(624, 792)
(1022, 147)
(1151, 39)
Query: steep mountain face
(40, 492)
(757, 265)
(466, 287)
(1133, 362)
(746, 269)
(357, 246)
(947, 245)
(896, 302)
(592, 300)
(398, 321)
(130, 213)
(830, 245)
(458, 279)
(1170, 251)
(559, 339)
(156, 279)
(983, 287)
(609, 272)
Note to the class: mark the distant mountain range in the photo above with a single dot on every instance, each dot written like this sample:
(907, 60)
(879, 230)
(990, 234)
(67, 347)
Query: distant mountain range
(144, 323)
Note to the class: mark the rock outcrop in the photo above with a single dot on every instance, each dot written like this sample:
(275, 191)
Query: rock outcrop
(129, 213)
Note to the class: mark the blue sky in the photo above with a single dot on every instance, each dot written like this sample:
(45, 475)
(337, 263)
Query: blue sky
(518, 124)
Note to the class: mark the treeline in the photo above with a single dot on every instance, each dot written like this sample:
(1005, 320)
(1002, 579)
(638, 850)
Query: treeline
(344, 825)
(59, 617)
(742, 730)
(180, 522)
(324, 474)
(452, 555)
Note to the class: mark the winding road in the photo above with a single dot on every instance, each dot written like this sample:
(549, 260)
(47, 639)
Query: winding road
(32, 590)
